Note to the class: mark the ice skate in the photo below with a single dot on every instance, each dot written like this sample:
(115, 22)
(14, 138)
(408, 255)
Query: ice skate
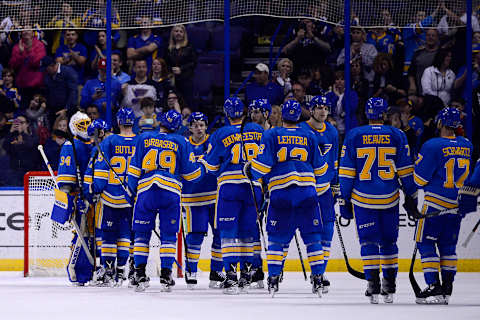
(244, 281)
(109, 277)
(373, 290)
(326, 284)
(97, 279)
(217, 280)
(273, 282)
(191, 280)
(447, 288)
(388, 289)
(166, 280)
(432, 294)
(257, 279)
(317, 284)
(141, 279)
(231, 283)
(120, 276)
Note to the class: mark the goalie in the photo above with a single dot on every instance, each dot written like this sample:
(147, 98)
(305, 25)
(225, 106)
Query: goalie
(74, 157)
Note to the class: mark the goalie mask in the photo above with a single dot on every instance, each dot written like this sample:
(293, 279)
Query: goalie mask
(79, 124)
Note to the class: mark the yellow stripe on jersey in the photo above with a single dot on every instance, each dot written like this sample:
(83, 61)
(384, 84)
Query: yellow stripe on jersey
(112, 200)
(321, 171)
(419, 180)
(228, 177)
(376, 200)
(433, 265)
(405, 171)
(87, 179)
(260, 167)
(192, 176)
(157, 179)
(347, 172)
(66, 179)
(134, 171)
(289, 179)
(274, 257)
(210, 167)
(101, 174)
(194, 199)
(442, 203)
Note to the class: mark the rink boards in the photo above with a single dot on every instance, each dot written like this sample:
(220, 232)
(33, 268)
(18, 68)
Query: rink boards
(12, 239)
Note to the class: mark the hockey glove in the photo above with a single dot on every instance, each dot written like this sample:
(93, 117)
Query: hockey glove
(81, 206)
(346, 209)
(467, 200)
(246, 170)
(410, 205)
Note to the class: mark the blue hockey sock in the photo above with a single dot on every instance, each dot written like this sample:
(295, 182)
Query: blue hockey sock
(370, 253)
(141, 247)
(389, 259)
(194, 244)
(430, 261)
(275, 258)
(231, 251)
(123, 251)
(313, 243)
(448, 262)
(216, 263)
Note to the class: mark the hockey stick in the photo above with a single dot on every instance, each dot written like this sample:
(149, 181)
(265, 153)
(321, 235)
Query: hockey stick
(470, 235)
(252, 188)
(73, 222)
(411, 276)
(300, 256)
(353, 272)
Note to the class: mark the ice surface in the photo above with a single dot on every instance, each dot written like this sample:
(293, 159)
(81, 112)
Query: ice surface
(54, 298)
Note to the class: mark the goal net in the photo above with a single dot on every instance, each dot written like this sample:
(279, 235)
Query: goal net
(47, 243)
(128, 14)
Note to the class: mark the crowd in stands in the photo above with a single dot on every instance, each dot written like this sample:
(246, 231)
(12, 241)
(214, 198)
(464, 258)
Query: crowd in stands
(47, 75)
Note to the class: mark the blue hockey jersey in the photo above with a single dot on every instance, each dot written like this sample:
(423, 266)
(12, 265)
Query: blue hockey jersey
(373, 157)
(204, 191)
(226, 158)
(328, 141)
(474, 179)
(67, 171)
(118, 150)
(442, 166)
(162, 159)
(291, 156)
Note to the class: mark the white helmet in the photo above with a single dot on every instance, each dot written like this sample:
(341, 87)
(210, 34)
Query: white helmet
(79, 124)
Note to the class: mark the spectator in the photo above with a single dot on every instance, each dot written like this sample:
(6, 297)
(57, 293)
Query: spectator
(117, 72)
(7, 108)
(339, 112)
(299, 94)
(72, 54)
(145, 45)
(285, 69)
(448, 23)
(138, 88)
(62, 92)
(21, 147)
(422, 59)
(183, 129)
(415, 36)
(163, 82)
(4, 130)
(148, 121)
(322, 79)
(275, 118)
(262, 88)
(36, 112)
(305, 78)
(174, 101)
(65, 20)
(438, 79)
(25, 61)
(360, 50)
(386, 82)
(7, 87)
(307, 48)
(412, 126)
(462, 73)
(95, 17)
(382, 41)
(93, 112)
(94, 90)
(182, 59)
(53, 145)
(100, 50)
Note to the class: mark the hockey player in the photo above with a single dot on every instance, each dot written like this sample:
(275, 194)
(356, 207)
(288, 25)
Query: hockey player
(79, 269)
(468, 194)
(198, 200)
(373, 159)
(327, 136)
(99, 127)
(114, 216)
(235, 211)
(260, 110)
(160, 160)
(441, 168)
(291, 161)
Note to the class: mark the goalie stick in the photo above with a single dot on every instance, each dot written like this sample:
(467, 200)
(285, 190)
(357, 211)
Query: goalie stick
(73, 222)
